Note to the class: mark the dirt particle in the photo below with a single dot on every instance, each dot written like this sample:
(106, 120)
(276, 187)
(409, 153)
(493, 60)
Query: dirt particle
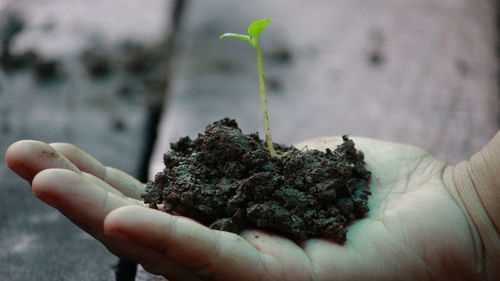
(48, 27)
(19, 61)
(140, 59)
(12, 24)
(376, 55)
(5, 122)
(462, 68)
(125, 90)
(226, 66)
(46, 70)
(118, 124)
(97, 63)
(274, 84)
(6, 128)
(375, 58)
(281, 56)
(47, 155)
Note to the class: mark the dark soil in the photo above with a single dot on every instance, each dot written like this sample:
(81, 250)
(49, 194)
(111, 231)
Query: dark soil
(226, 180)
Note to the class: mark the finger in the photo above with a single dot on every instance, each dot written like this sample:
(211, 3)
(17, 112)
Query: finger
(104, 185)
(28, 157)
(87, 204)
(278, 248)
(81, 200)
(125, 183)
(84, 161)
(122, 181)
(209, 253)
(151, 260)
(339, 261)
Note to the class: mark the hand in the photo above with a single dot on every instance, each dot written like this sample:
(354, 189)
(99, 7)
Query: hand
(415, 230)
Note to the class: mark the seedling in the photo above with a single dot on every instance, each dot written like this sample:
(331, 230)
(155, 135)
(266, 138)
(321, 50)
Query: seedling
(254, 30)
(221, 161)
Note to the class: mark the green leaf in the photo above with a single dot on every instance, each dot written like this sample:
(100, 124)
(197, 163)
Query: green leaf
(256, 27)
(236, 35)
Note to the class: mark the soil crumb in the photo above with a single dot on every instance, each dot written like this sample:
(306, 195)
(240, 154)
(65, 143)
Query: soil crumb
(227, 181)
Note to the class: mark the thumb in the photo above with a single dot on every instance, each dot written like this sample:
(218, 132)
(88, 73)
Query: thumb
(477, 183)
(203, 252)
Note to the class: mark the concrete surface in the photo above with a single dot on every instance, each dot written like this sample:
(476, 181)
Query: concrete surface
(37, 242)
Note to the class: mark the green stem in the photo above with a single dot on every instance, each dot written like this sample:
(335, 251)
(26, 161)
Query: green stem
(263, 101)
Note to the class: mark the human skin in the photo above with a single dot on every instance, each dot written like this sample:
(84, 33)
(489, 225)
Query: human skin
(420, 226)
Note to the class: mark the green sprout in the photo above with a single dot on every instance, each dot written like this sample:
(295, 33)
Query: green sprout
(254, 30)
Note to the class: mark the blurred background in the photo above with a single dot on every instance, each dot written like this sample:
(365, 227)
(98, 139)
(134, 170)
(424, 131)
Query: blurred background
(123, 78)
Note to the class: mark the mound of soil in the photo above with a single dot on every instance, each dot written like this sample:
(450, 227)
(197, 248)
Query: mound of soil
(227, 180)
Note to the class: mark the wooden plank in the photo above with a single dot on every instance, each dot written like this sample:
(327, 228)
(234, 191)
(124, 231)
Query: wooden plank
(421, 72)
(105, 116)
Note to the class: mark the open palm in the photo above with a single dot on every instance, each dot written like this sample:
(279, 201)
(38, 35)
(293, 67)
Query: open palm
(415, 229)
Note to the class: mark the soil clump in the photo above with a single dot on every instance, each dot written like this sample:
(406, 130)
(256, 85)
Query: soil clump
(227, 181)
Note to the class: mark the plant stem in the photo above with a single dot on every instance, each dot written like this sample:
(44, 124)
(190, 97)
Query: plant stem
(263, 101)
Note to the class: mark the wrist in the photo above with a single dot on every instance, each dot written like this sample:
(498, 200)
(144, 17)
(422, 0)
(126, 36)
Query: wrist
(470, 190)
